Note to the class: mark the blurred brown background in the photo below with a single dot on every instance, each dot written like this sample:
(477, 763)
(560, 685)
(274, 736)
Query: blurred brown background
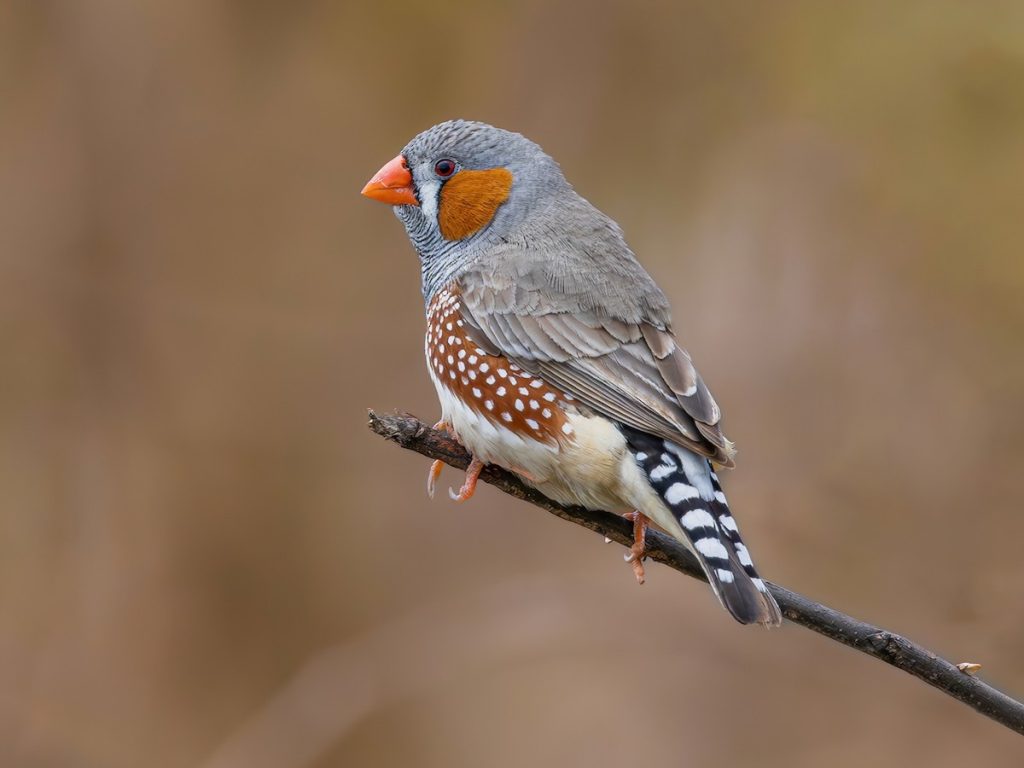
(207, 560)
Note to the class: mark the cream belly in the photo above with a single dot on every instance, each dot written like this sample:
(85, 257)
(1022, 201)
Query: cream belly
(593, 467)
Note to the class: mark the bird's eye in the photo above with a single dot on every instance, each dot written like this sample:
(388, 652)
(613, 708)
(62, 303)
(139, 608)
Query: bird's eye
(444, 168)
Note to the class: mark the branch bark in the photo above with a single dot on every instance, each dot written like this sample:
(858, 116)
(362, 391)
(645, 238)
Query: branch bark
(410, 433)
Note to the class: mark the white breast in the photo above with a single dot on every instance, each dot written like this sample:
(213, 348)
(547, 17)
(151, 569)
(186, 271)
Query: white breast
(593, 468)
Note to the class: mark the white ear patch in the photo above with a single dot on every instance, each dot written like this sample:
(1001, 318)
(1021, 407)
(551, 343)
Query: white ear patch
(429, 192)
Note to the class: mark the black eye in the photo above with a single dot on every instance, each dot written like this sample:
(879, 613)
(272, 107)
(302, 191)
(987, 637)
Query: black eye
(444, 168)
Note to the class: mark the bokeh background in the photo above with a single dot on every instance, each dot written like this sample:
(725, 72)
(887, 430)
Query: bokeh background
(207, 560)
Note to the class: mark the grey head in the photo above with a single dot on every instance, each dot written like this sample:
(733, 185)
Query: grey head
(486, 204)
(536, 181)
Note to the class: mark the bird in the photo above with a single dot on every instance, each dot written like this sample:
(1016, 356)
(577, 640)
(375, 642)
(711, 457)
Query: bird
(553, 354)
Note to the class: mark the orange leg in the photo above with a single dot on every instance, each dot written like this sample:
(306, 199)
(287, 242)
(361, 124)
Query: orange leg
(636, 552)
(472, 472)
(468, 487)
(438, 465)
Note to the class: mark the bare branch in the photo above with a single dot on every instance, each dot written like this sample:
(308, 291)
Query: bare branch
(897, 651)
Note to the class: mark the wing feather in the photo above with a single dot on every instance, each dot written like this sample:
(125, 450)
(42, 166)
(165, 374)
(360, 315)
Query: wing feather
(633, 372)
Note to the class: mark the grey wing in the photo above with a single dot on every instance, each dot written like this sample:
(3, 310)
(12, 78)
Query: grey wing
(632, 371)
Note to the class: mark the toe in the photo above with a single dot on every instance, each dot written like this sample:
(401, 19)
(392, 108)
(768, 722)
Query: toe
(432, 475)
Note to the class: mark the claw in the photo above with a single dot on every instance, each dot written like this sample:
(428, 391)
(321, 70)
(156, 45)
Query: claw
(432, 475)
(437, 466)
(635, 556)
(469, 486)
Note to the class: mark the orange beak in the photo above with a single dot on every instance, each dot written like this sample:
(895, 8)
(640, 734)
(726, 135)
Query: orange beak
(392, 184)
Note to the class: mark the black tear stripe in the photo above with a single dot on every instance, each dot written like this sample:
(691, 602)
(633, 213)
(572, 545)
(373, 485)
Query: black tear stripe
(679, 476)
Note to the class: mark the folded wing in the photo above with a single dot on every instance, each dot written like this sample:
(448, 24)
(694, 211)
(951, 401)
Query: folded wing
(629, 370)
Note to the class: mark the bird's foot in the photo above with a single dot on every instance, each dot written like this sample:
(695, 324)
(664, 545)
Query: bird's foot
(635, 556)
(469, 486)
(437, 465)
(472, 472)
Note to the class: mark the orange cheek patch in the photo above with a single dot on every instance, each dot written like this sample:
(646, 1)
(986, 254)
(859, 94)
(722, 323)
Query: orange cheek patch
(470, 199)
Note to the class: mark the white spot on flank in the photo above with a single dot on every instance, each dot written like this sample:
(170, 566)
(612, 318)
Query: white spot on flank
(711, 548)
(532, 424)
(451, 360)
(449, 327)
(472, 375)
(567, 428)
(512, 380)
(462, 367)
(465, 381)
(549, 396)
(489, 405)
(502, 372)
(506, 416)
(484, 367)
(537, 383)
(678, 492)
(477, 392)
(534, 405)
(458, 340)
(724, 576)
(519, 404)
(524, 391)
(546, 413)
(489, 379)
(440, 348)
(462, 354)
(501, 391)
(697, 518)
(452, 375)
(472, 359)
(458, 323)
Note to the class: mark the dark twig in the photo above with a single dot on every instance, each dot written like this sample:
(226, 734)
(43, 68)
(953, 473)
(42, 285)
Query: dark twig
(897, 651)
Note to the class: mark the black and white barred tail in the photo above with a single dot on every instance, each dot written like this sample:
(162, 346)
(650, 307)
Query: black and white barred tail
(691, 491)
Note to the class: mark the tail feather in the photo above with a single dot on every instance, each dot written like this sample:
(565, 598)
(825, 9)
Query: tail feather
(691, 491)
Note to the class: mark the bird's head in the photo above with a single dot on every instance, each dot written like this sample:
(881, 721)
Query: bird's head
(461, 185)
